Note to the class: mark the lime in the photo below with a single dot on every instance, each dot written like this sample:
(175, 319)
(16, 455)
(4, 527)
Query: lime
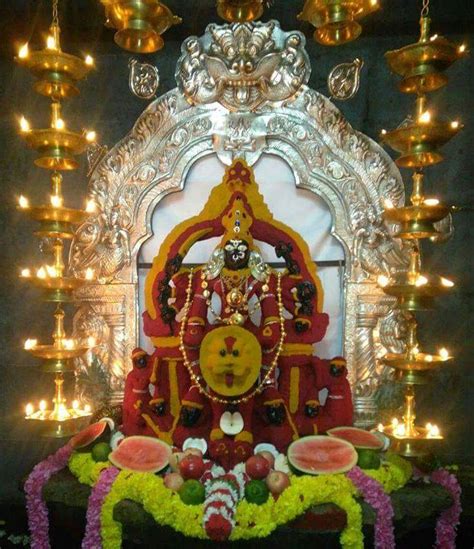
(101, 451)
(256, 491)
(368, 459)
(192, 492)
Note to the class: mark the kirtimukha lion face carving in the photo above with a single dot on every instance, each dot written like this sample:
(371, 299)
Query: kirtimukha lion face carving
(230, 359)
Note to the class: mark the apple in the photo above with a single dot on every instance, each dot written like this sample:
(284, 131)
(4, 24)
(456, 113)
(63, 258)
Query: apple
(175, 458)
(173, 481)
(268, 456)
(192, 467)
(257, 467)
(277, 481)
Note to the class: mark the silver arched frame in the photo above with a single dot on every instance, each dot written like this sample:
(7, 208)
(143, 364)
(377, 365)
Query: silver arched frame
(213, 111)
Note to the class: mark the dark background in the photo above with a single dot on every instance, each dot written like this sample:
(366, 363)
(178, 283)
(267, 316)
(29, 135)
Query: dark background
(107, 105)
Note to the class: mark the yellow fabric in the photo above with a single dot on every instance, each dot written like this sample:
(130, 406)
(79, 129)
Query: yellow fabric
(294, 389)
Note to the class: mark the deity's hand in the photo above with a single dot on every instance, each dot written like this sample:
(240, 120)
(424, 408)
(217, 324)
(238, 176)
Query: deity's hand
(275, 414)
(270, 335)
(301, 325)
(189, 416)
(193, 336)
(311, 409)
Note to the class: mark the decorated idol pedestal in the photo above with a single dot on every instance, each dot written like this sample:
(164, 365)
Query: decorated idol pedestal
(228, 423)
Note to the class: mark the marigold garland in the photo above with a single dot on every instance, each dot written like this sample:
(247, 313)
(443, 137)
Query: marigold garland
(252, 521)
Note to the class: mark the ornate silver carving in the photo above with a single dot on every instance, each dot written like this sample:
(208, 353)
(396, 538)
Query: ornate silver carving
(327, 156)
(95, 153)
(143, 80)
(344, 80)
(243, 65)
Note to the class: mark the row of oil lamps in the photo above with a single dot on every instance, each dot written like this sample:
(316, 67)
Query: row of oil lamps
(57, 74)
(422, 67)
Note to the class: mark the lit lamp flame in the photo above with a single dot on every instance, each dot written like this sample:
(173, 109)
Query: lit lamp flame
(400, 430)
(433, 431)
(23, 202)
(56, 201)
(51, 43)
(41, 273)
(68, 344)
(89, 274)
(431, 202)
(447, 283)
(394, 422)
(29, 409)
(89, 60)
(462, 48)
(75, 405)
(52, 272)
(59, 124)
(425, 118)
(30, 344)
(444, 354)
(428, 358)
(87, 408)
(90, 206)
(383, 281)
(91, 342)
(24, 125)
(23, 51)
(434, 37)
(384, 132)
(421, 281)
(43, 405)
(388, 204)
(380, 428)
(91, 136)
(455, 124)
(25, 273)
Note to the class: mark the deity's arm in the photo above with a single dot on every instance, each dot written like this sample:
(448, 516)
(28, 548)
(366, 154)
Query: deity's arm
(197, 314)
(270, 329)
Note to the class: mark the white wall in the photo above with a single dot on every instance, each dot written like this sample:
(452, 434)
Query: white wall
(301, 209)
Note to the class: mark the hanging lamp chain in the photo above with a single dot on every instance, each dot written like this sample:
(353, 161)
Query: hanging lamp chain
(426, 8)
(55, 21)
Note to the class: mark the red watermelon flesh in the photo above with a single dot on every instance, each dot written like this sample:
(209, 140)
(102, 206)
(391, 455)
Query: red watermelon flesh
(357, 437)
(141, 454)
(319, 455)
(89, 435)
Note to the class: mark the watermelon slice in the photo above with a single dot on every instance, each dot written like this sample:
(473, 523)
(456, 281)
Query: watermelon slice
(141, 454)
(320, 455)
(85, 438)
(357, 437)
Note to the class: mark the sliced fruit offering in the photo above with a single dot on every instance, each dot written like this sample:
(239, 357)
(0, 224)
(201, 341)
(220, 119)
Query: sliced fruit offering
(319, 455)
(357, 437)
(141, 454)
(89, 435)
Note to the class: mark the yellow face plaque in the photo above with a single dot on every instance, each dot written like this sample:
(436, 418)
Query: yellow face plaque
(230, 359)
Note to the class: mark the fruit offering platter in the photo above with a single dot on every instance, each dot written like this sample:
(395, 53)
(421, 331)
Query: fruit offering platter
(185, 490)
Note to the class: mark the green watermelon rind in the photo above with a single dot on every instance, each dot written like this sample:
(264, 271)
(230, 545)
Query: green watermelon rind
(117, 458)
(336, 433)
(352, 462)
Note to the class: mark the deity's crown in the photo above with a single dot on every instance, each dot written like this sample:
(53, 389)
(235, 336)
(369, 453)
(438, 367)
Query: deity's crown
(238, 219)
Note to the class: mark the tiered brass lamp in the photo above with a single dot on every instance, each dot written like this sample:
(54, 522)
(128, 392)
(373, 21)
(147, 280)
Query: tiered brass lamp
(240, 11)
(139, 23)
(57, 75)
(337, 21)
(422, 67)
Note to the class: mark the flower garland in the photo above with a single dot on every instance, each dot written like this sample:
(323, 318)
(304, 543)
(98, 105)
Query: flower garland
(372, 492)
(251, 520)
(223, 492)
(96, 499)
(448, 521)
(38, 522)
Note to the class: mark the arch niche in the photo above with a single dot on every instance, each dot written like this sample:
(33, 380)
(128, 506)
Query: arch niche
(210, 113)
